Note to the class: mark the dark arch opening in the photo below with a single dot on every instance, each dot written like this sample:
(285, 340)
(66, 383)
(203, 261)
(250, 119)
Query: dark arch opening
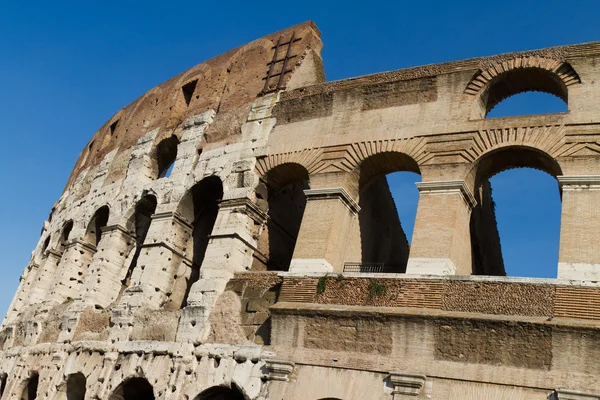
(45, 245)
(133, 389)
(3, 379)
(221, 393)
(166, 154)
(522, 80)
(31, 387)
(200, 208)
(98, 221)
(281, 195)
(64, 236)
(142, 218)
(386, 192)
(76, 386)
(511, 221)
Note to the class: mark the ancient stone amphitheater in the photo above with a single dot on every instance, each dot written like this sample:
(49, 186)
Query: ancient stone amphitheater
(231, 235)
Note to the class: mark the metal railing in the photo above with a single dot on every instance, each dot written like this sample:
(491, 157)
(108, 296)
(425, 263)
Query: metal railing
(371, 267)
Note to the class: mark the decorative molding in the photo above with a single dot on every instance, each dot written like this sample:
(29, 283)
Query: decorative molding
(174, 216)
(250, 208)
(116, 227)
(407, 384)
(571, 182)
(88, 246)
(333, 193)
(447, 187)
(562, 69)
(279, 370)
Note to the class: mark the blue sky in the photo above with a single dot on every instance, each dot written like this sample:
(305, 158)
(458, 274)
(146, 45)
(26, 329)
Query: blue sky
(68, 66)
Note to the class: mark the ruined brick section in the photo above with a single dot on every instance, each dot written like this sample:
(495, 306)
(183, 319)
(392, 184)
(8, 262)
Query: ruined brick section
(205, 242)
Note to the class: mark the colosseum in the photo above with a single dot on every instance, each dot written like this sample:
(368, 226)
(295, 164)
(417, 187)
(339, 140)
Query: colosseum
(231, 235)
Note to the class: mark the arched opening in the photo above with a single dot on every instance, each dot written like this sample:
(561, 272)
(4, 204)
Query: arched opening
(388, 202)
(200, 208)
(144, 209)
(531, 87)
(281, 195)
(3, 379)
(98, 221)
(166, 154)
(515, 225)
(76, 386)
(133, 389)
(221, 393)
(45, 245)
(30, 387)
(64, 236)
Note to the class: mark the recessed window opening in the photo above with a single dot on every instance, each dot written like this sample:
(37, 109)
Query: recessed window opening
(166, 154)
(46, 244)
(188, 91)
(529, 103)
(76, 386)
(221, 393)
(91, 146)
(144, 210)
(113, 127)
(201, 213)
(3, 379)
(64, 237)
(281, 194)
(388, 205)
(515, 226)
(98, 221)
(133, 389)
(31, 386)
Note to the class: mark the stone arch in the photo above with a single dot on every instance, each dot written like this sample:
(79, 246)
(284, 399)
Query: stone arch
(74, 387)
(164, 156)
(99, 220)
(221, 393)
(199, 208)
(29, 387)
(64, 235)
(521, 74)
(485, 239)
(133, 389)
(383, 242)
(280, 194)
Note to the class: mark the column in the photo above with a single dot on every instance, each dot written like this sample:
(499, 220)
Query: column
(44, 277)
(579, 254)
(441, 243)
(324, 231)
(22, 295)
(71, 271)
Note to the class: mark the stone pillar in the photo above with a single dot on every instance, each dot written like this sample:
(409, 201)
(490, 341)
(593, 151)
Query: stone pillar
(579, 254)
(324, 231)
(103, 282)
(44, 277)
(230, 249)
(406, 385)
(441, 243)
(71, 271)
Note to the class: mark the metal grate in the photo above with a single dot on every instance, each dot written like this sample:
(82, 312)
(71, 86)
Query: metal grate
(371, 267)
(274, 80)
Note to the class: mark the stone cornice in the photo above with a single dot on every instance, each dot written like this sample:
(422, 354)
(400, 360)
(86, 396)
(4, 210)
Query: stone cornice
(566, 394)
(172, 215)
(279, 370)
(407, 384)
(333, 193)
(81, 243)
(252, 210)
(116, 227)
(578, 181)
(442, 187)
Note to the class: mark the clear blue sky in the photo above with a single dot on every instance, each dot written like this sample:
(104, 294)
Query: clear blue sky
(68, 66)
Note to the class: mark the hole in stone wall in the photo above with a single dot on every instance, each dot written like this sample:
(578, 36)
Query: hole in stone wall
(76, 386)
(188, 91)
(64, 237)
(113, 127)
(133, 389)
(3, 378)
(46, 244)
(31, 386)
(166, 154)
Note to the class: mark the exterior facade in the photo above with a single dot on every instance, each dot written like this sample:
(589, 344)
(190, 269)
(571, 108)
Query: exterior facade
(231, 235)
